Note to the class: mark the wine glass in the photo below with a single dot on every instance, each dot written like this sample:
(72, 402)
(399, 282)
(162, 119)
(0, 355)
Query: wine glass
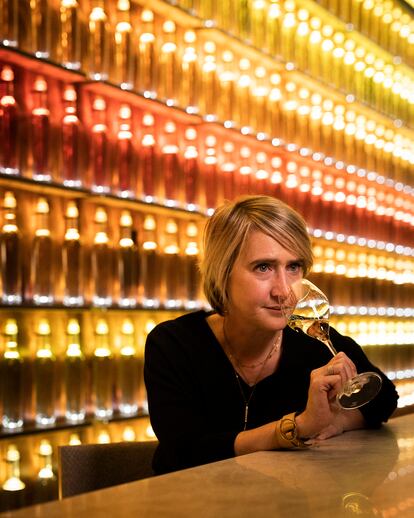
(307, 309)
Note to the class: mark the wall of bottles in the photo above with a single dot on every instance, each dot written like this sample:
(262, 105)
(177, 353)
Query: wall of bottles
(125, 123)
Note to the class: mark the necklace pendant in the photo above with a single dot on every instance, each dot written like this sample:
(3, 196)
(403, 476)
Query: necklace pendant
(246, 415)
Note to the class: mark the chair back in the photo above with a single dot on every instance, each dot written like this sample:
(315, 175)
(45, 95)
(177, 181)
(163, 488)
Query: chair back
(88, 467)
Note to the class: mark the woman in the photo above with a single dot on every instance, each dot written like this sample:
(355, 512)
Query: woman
(237, 380)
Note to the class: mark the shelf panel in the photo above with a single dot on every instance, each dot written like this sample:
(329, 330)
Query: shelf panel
(62, 424)
(39, 66)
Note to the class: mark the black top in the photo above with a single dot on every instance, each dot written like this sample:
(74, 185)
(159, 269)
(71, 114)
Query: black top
(195, 405)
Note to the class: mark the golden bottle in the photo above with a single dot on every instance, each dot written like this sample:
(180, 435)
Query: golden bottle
(99, 148)
(44, 377)
(167, 80)
(210, 174)
(102, 373)
(209, 83)
(45, 487)
(191, 170)
(172, 280)
(170, 165)
(124, 47)
(191, 270)
(10, 254)
(9, 125)
(190, 75)
(41, 271)
(146, 75)
(98, 46)
(150, 264)
(227, 82)
(72, 258)
(128, 262)
(41, 28)
(13, 481)
(9, 15)
(101, 262)
(227, 168)
(128, 372)
(71, 136)
(70, 37)
(40, 132)
(147, 168)
(126, 157)
(244, 97)
(260, 93)
(74, 375)
(12, 382)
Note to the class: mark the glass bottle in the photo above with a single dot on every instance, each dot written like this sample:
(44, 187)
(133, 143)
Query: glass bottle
(9, 15)
(101, 181)
(146, 77)
(191, 170)
(98, 42)
(45, 487)
(244, 97)
(72, 258)
(150, 264)
(41, 28)
(171, 168)
(126, 156)
(44, 377)
(209, 83)
(210, 173)
(9, 125)
(147, 157)
(40, 129)
(190, 77)
(12, 379)
(13, 481)
(191, 270)
(102, 373)
(260, 93)
(101, 261)
(245, 171)
(148, 327)
(227, 98)
(74, 374)
(128, 372)
(70, 38)
(124, 46)
(71, 129)
(128, 262)
(10, 254)
(172, 266)
(227, 168)
(42, 257)
(167, 88)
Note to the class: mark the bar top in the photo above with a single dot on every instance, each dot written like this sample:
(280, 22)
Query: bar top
(364, 473)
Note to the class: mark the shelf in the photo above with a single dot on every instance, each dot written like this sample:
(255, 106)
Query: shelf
(25, 306)
(36, 65)
(54, 188)
(62, 424)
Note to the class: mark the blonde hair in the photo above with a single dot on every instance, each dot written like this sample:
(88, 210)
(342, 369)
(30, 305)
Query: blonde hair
(227, 230)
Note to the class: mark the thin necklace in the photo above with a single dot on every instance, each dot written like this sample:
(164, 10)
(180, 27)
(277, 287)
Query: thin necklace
(234, 359)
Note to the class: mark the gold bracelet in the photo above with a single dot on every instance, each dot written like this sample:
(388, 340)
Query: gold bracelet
(287, 434)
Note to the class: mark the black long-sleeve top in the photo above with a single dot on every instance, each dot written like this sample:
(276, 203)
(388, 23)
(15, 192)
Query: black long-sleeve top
(195, 405)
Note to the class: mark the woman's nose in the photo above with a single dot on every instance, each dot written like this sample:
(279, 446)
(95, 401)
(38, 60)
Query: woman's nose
(281, 286)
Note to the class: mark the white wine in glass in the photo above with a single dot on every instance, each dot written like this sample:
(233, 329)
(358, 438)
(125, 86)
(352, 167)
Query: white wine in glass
(307, 309)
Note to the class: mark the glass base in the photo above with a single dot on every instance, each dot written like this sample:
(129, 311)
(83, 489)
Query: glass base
(360, 390)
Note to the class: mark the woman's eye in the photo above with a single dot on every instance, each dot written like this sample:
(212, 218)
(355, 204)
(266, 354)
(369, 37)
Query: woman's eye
(264, 267)
(295, 267)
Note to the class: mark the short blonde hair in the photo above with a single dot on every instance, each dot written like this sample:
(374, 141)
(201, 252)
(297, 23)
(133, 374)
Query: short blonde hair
(227, 230)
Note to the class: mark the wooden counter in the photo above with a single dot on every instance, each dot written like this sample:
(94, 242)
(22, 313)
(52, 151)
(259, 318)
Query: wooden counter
(365, 473)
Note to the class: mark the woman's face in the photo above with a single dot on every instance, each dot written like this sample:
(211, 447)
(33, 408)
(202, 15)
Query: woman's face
(262, 274)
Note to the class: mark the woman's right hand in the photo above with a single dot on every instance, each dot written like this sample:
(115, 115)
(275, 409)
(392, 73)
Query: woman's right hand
(322, 410)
